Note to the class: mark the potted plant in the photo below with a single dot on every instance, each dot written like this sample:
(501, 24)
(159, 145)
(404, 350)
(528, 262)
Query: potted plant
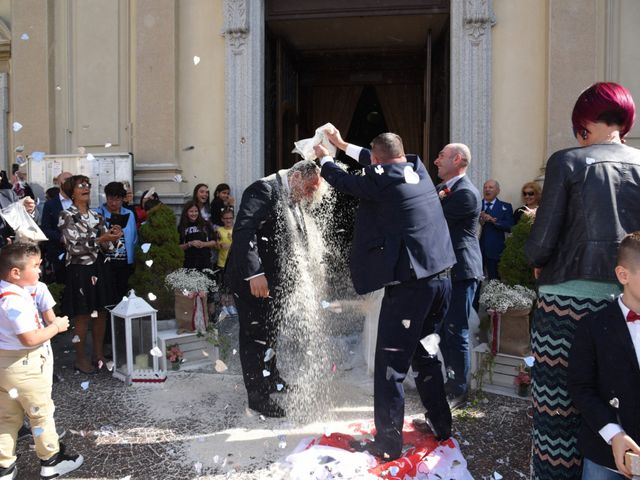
(522, 381)
(509, 308)
(191, 288)
(175, 356)
(510, 301)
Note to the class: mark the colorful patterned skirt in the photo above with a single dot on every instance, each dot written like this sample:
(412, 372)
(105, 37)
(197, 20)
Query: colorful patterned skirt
(555, 419)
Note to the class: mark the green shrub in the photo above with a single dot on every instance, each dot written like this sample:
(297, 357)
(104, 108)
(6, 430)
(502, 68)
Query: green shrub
(161, 232)
(513, 267)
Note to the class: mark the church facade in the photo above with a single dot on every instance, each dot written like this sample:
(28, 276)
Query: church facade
(217, 90)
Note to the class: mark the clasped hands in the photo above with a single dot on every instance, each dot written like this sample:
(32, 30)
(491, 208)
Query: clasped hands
(112, 235)
(485, 217)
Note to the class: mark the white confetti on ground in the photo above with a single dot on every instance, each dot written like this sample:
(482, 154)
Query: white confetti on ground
(220, 366)
(84, 385)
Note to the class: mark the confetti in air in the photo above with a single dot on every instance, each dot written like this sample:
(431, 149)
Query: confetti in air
(90, 156)
(155, 351)
(196, 60)
(410, 176)
(13, 393)
(145, 247)
(152, 297)
(75, 339)
(148, 263)
(94, 314)
(406, 323)
(24, 36)
(17, 126)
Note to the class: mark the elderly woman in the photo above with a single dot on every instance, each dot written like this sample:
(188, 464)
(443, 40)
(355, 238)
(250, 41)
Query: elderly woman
(591, 200)
(531, 194)
(88, 288)
(120, 260)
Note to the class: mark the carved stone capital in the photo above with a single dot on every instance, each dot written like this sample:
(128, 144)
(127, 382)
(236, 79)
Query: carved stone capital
(236, 18)
(477, 18)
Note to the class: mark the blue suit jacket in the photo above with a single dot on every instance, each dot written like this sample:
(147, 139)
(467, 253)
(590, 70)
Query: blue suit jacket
(399, 226)
(462, 209)
(49, 225)
(493, 235)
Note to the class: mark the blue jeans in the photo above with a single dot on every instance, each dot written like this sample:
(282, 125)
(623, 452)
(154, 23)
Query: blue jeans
(454, 335)
(595, 471)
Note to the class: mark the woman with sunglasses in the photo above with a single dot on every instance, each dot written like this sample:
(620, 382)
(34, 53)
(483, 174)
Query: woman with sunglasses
(531, 194)
(591, 201)
(87, 288)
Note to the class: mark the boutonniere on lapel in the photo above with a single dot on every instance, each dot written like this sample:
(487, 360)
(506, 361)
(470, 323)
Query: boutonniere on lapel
(444, 193)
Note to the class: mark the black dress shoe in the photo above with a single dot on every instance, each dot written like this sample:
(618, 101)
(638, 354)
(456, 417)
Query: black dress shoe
(268, 408)
(375, 449)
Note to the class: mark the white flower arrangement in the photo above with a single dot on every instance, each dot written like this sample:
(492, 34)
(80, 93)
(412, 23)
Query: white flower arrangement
(191, 280)
(497, 296)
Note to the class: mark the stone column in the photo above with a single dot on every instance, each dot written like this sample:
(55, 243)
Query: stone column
(244, 91)
(471, 22)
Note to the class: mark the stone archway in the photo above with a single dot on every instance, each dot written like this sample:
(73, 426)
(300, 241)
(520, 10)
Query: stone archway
(470, 26)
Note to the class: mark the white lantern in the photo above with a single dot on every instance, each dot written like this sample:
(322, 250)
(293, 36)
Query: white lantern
(134, 329)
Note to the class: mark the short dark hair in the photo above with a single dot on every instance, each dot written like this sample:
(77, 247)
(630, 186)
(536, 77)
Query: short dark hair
(115, 189)
(71, 182)
(387, 146)
(15, 255)
(221, 187)
(629, 251)
(606, 102)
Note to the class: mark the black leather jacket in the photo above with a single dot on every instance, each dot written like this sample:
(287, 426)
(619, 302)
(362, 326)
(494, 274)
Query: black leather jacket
(591, 199)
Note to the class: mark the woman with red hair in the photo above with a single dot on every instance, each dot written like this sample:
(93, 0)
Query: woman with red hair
(591, 200)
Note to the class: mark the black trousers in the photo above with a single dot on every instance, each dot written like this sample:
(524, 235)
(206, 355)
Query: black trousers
(258, 333)
(424, 304)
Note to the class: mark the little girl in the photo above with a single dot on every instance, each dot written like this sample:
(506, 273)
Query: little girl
(224, 244)
(222, 200)
(197, 239)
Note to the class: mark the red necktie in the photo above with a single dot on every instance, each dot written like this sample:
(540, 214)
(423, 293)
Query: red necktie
(632, 316)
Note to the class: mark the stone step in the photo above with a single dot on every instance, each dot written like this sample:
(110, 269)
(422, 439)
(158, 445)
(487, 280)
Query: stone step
(198, 352)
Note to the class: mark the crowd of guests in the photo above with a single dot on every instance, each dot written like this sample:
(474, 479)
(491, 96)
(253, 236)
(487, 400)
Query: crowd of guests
(91, 252)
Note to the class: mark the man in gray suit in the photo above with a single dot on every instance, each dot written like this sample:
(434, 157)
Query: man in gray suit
(461, 203)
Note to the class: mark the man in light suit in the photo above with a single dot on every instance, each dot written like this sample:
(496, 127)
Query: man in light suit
(461, 205)
(401, 243)
(256, 270)
(496, 219)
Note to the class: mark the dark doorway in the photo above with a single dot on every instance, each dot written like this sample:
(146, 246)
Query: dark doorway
(367, 66)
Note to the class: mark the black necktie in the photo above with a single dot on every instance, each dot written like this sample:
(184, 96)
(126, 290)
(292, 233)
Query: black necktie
(487, 206)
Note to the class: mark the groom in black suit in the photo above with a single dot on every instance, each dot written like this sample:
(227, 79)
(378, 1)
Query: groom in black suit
(268, 218)
(461, 202)
(401, 243)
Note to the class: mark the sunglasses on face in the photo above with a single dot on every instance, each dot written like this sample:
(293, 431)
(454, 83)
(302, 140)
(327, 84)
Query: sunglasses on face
(528, 194)
(83, 185)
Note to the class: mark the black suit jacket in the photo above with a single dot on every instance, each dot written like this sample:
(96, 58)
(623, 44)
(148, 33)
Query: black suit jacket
(603, 366)
(49, 225)
(261, 235)
(399, 226)
(461, 208)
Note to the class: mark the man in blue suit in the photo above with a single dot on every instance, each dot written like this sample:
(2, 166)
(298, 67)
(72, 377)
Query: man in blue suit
(496, 219)
(461, 205)
(401, 243)
(54, 247)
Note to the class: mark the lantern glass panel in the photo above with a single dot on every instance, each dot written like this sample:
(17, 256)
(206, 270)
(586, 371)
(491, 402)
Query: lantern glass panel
(142, 340)
(120, 342)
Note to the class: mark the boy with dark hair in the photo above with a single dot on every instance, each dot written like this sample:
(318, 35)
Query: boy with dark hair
(26, 366)
(604, 374)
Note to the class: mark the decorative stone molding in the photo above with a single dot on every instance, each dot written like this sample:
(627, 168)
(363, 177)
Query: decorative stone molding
(244, 91)
(5, 41)
(470, 121)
